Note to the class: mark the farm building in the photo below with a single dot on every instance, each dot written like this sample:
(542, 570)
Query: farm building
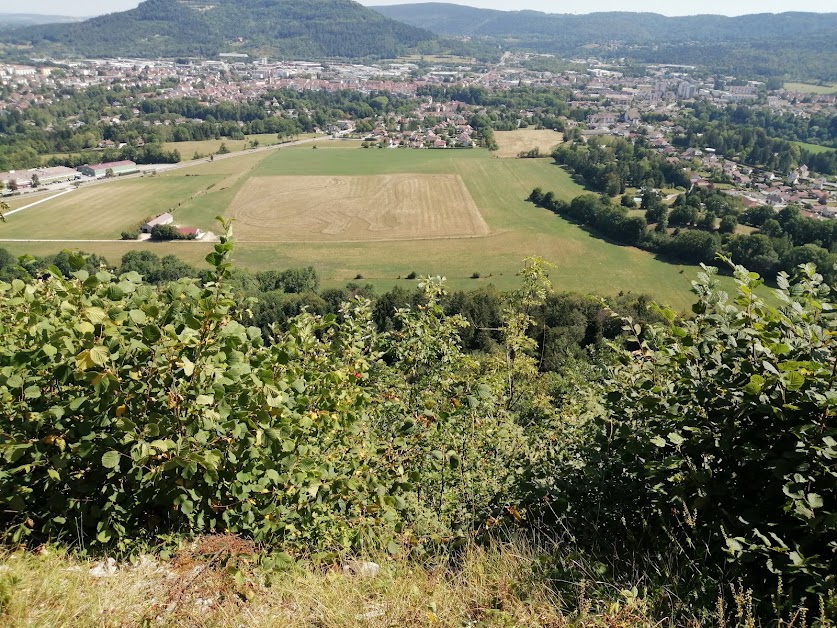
(119, 168)
(162, 219)
(190, 232)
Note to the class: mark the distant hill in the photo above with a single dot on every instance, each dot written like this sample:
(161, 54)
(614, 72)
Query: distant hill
(170, 28)
(765, 44)
(637, 28)
(19, 20)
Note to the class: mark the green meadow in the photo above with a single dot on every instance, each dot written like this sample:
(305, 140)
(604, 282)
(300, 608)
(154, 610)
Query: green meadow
(499, 188)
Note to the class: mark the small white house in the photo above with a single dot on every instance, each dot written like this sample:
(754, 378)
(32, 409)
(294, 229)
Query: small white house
(162, 219)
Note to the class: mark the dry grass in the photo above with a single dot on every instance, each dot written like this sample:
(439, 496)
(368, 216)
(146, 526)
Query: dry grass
(495, 587)
(355, 208)
(512, 143)
(102, 211)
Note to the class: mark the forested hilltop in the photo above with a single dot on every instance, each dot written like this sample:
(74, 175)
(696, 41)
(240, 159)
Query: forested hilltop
(697, 451)
(169, 28)
(765, 44)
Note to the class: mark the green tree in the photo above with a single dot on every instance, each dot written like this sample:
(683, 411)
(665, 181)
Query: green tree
(729, 224)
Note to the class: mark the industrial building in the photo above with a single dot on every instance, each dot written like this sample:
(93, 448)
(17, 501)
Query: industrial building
(118, 168)
(43, 176)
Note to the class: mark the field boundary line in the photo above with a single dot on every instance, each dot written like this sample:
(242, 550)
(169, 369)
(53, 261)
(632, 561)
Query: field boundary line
(43, 200)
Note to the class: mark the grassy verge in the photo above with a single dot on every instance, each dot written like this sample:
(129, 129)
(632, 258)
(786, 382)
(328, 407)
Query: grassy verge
(501, 586)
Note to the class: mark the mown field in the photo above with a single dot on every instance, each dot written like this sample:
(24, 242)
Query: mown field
(813, 148)
(103, 211)
(360, 208)
(808, 88)
(188, 149)
(512, 143)
(498, 189)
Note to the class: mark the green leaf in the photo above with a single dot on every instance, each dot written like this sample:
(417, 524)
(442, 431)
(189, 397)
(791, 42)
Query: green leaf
(111, 460)
(188, 366)
(138, 316)
(95, 315)
(49, 350)
(659, 441)
(100, 355)
(755, 386)
(815, 500)
(794, 380)
(676, 439)
(85, 328)
(32, 392)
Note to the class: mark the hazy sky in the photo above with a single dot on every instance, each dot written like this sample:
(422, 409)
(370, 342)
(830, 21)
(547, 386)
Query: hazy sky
(666, 7)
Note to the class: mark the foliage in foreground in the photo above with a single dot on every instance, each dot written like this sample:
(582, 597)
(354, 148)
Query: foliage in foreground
(131, 413)
(135, 414)
(725, 423)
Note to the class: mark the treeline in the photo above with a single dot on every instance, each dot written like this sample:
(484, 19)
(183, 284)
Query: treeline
(610, 168)
(754, 145)
(81, 120)
(814, 128)
(148, 154)
(568, 326)
(784, 241)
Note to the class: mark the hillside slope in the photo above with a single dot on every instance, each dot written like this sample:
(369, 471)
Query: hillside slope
(19, 20)
(799, 45)
(296, 28)
(452, 19)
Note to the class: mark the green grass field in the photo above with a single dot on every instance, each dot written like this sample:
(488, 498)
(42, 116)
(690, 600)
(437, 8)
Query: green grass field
(203, 147)
(498, 187)
(814, 148)
(808, 88)
(209, 147)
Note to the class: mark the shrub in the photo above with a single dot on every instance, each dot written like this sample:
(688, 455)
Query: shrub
(721, 427)
(154, 411)
(412, 275)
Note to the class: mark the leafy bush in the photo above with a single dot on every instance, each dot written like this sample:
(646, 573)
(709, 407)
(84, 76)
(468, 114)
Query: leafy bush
(722, 427)
(132, 412)
(129, 412)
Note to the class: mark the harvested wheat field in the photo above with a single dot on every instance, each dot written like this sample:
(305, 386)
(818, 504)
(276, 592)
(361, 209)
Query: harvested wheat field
(355, 208)
(512, 143)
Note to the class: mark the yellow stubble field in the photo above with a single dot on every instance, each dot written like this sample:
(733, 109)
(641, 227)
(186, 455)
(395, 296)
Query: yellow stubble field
(355, 208)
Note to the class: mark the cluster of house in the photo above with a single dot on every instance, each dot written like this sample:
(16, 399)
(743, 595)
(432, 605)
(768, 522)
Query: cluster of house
(14, 180)
(431, 125)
